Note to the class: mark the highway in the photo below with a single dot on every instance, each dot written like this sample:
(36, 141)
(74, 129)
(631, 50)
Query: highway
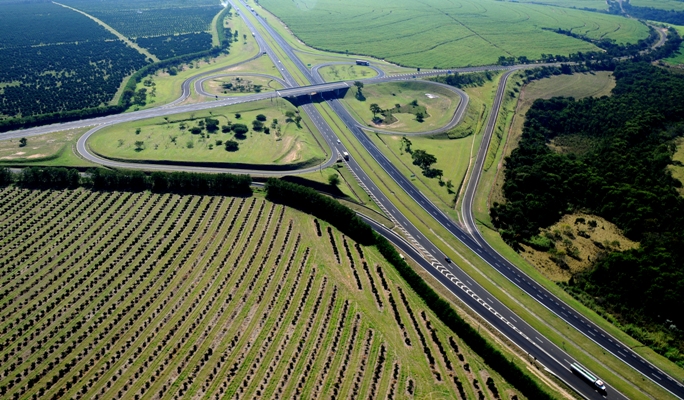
(415, 246)
(479, 246)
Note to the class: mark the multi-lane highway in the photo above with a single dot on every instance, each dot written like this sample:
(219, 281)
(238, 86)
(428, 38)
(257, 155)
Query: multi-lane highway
(416, 246)
(477, 244)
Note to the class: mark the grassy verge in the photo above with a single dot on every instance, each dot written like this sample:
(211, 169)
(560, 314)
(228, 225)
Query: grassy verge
(51, 149)
(608, 367)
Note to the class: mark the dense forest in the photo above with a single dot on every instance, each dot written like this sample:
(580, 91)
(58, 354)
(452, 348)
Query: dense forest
(176, 45)
(615, 151)
(654, 14)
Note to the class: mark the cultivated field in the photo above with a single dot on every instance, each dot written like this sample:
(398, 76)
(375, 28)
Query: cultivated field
(443, 33)
(140, 295)
(173, 139)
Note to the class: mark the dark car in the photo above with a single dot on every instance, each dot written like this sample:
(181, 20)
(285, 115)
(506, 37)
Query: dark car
(448, 260)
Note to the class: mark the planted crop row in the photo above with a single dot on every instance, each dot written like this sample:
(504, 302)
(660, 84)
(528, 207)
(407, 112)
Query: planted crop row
(351, 259)
(423, 342)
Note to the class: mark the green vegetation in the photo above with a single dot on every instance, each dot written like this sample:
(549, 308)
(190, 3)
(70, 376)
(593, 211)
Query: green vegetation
(92, 62)
(624, 180)
(138, 19)
(677, 168)
(215, 296)
(201, 137)
(335, 73)
(51, 149)
(437, 103)
(164, 85)
(444, 34)
(241, 85)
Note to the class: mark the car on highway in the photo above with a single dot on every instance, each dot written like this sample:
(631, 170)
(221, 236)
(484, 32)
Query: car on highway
(338, 141)
(448, 260)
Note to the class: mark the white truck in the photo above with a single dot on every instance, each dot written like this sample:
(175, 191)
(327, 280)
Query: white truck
(345, 155)
(588, 376)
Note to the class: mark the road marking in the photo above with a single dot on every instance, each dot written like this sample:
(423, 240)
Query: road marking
(540, 341)
(657, 376)
(592, 333)
(620, 353)
(511, 318)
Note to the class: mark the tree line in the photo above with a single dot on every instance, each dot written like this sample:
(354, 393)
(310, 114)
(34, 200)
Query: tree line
(129, 180)
(621, 175)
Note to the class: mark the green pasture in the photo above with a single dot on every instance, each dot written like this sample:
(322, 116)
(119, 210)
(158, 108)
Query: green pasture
(165, 140)
(439, 102)
(56, 149)
(677, 59)
(447, 34)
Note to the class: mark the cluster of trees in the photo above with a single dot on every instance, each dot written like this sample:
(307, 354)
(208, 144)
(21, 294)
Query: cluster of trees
(622, 177)
(472, 79)
(654, 14)
(422, 159)
(323, 207)
(176, 45)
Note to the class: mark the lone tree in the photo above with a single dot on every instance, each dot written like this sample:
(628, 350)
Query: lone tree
(139, 145)
(359, 91)
(375, 109)
(420, 117)
(261, 117)
(334, 179)
(22, 142)
(232, 145)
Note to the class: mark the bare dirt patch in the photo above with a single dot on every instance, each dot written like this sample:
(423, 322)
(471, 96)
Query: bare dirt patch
(578, 240)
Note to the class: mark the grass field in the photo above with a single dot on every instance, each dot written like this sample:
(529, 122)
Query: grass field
(444, 33)
(51, 149)
(240, 85)
(165, 140)
(440, 104)
(335, 73)
(140, 295)
(677, 59)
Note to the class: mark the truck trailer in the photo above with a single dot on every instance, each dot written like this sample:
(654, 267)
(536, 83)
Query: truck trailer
(588, 376)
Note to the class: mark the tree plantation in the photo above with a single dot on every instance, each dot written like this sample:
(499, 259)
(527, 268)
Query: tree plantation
(140, 295)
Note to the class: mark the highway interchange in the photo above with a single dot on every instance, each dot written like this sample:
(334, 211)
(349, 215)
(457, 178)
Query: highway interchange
(413, 244)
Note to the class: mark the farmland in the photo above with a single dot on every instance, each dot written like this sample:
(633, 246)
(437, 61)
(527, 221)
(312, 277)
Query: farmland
(189, 137)
(448, 34)
(141, 295)
(70, 63)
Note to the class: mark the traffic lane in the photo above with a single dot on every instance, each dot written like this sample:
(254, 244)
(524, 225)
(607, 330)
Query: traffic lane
(521, 334)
